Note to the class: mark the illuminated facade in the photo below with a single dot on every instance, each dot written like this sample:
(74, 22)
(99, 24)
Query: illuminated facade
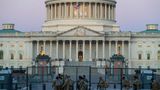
(82, 32)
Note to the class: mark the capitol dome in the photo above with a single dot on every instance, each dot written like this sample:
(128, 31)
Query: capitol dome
(63, 15)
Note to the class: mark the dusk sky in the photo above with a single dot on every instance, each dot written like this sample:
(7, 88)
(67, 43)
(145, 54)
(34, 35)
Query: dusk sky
(29, 15)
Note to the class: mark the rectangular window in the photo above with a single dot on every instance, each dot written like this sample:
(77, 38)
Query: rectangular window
(1, 67)
(12, 67)
(148, 67)
(148, 56)
(12, 56)
(1, 54)
(139, 56)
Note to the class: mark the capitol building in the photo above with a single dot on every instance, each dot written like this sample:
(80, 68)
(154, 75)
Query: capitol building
(81, 32)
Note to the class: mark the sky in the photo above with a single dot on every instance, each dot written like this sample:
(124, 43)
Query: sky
(29, 15)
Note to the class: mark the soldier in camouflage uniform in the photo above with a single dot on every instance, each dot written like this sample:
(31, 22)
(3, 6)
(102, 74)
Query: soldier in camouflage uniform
(81, 85)
(67, 85)
(125, 84)
(136, 83)
(102, 84)
(155, 85)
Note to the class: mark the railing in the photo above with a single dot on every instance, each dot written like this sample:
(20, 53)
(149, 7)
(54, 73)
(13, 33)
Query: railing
(42, 80)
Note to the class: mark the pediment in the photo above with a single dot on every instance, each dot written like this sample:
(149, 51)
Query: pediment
(80, 31)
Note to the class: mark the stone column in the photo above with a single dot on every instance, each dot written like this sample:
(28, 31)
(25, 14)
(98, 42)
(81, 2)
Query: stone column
(47, 9)
(44, 46)
(116, 47)
(60, 14)
(109, 12)
(65, 13)
(95, 10)
(110, 44)
(50, 49)
(83, 10)
(77, 50)
(123, 48)
(97, 49)
(55, 11)
(64, 49)
(83, 50)
(129, 50)
(71, 10)
(90, 50)
(60, 10)
(70, 50)
(101, 11)
(37, 47)
(105, 8)
(112, 12)
(103, 50)
(51, 11)
(57, 43)
(89, 10)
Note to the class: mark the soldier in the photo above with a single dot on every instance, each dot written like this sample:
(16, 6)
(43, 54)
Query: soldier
(57, 83)
(81, 84)
(125, 84)
(102, 84)
(67, 83)
(86, 81)
(155, 85)
(136, 83)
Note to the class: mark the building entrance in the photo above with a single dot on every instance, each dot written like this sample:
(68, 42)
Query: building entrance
(80, 56)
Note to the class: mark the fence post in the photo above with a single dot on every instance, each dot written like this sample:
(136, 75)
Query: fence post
(121, 76)
(30, 86)
(44, 86)
(16, 87)
(90, 78)
(76, 76)
(27, 78)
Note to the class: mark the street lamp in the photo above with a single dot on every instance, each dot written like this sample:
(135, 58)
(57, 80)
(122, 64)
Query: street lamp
(126, 67)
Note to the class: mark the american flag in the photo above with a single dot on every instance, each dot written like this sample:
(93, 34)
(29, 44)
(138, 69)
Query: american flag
(76, 5)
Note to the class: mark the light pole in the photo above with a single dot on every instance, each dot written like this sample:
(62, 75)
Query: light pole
(126, 67)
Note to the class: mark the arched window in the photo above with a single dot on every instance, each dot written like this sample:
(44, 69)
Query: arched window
(1, 54)
(20, 56)
(12, 56)
(158, 55)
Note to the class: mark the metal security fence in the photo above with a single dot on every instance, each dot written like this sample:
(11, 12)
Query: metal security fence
(41, 78)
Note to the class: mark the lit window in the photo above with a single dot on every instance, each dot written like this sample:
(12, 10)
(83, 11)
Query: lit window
(139, 56)
(20, 56)
(1, 54)
(12, 56)
(148, 56)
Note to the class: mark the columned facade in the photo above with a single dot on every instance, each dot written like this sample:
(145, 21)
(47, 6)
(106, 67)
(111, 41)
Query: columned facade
(81, 10)
(61, 15)
(102, 49)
